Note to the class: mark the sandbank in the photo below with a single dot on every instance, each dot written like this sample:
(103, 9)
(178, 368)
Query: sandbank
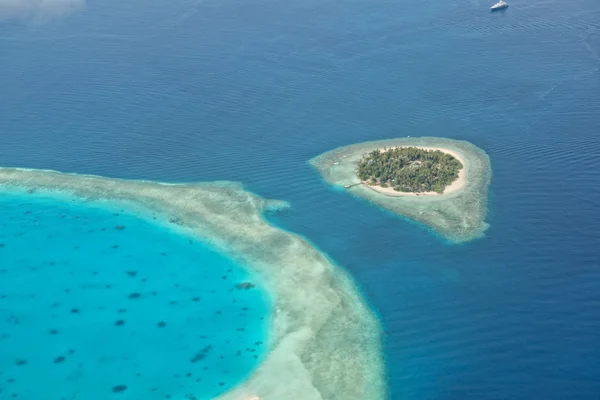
(324, 341)
(458, 214)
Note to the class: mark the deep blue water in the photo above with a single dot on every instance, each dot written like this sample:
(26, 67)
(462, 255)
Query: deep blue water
(93, 299)
(250, 90)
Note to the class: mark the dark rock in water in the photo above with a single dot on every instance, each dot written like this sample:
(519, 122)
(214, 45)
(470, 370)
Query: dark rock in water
(134, 295)
(201, 354)
(59, 360)
(176, 221)
(1, 245)
(119, 388)
(132, 273)
(245, 285)
(119, 323)
(20, 362)
(119, 227)
(161, 324)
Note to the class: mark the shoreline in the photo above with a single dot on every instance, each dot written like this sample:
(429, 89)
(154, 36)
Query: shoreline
(458, 214)
(455, 186)
(312, 298)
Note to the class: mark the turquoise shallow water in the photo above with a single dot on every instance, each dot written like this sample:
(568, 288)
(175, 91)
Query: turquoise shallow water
(98, 302)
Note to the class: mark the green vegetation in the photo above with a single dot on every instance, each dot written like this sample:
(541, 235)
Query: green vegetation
(409, 169)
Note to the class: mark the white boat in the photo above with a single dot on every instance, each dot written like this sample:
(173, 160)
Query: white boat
(499, 5)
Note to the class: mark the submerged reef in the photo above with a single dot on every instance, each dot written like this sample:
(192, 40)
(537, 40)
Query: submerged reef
(458, 215)
(324, 341)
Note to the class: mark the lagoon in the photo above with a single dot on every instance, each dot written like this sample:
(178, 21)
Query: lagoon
(323, 339)
(96, 301)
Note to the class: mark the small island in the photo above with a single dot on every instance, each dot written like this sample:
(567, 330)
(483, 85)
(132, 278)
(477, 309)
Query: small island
(409, 169)
(442, 183)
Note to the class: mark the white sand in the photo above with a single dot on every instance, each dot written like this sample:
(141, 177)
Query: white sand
(458, 184)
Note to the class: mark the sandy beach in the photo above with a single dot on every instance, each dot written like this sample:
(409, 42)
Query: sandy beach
(458, 184)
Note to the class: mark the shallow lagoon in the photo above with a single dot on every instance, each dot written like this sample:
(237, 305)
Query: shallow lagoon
(93, 300)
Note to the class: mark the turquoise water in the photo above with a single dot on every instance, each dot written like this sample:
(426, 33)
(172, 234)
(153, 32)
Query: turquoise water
(96, 302)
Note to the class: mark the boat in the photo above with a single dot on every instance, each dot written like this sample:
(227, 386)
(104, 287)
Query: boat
(501, 5)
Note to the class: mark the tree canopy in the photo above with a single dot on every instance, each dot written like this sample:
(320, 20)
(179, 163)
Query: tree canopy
(409, 169)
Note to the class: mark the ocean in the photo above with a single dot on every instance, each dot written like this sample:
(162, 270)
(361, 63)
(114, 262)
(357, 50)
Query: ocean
(186, 91)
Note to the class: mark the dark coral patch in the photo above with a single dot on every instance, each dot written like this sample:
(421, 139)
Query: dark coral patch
(201, 355)
(119, 388)
(244, 285)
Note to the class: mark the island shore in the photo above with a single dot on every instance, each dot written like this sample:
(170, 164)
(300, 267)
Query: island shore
(324, 341)
(455, 186)
(458, 214)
